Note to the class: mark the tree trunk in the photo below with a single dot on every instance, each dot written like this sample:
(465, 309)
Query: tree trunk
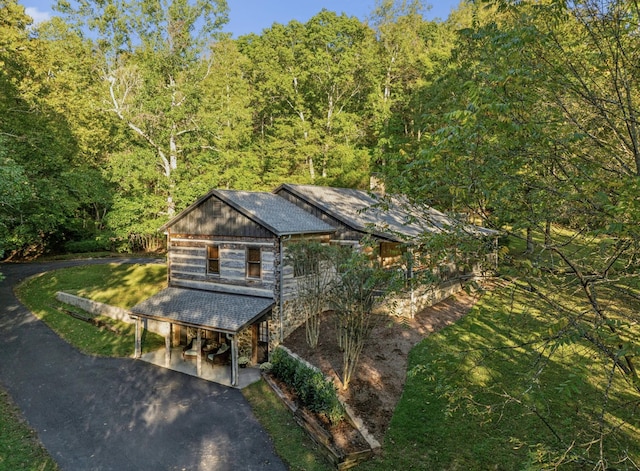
(529, 240)
(547, 233)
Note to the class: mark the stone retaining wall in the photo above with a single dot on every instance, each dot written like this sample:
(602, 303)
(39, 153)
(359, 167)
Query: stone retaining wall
(409, 304)
(114, 312)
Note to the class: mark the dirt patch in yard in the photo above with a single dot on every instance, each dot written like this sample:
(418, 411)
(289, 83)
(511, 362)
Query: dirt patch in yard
(381, 373)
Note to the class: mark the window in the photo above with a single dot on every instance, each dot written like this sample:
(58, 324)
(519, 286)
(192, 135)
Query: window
(213, 259)
(263, 332)
(253, 263)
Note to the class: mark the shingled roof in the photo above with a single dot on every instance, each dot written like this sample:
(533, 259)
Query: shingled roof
(204, 309)
(267, 209)
(390, 217)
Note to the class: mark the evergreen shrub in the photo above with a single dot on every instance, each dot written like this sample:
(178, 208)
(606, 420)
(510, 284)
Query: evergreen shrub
(314, 391)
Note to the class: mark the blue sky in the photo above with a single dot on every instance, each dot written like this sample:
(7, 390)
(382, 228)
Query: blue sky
(252, 16)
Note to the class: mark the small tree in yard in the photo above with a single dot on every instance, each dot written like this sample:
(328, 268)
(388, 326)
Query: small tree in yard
(313, 272)
(359, 286)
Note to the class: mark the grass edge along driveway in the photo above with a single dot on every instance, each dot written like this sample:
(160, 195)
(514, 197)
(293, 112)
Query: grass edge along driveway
(457, 388)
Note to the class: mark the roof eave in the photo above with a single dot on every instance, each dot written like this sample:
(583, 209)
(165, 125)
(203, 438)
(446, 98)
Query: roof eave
(306, 232)
(204, 326)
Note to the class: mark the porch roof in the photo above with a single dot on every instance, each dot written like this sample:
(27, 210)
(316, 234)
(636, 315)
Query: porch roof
(208, 310)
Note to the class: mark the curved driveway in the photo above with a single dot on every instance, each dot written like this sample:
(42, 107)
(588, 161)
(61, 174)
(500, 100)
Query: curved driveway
(120, 414)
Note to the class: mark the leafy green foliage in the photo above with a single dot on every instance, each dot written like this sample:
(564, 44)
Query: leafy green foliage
(412, 52)
(314, 83)
(519, 144)
(361, 284)
(155, 67)
(313, 390)
(519, 115)
(516, 395)
(49, 192)
(314, 271)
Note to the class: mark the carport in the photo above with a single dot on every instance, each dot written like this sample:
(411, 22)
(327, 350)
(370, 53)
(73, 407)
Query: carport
(225, 313)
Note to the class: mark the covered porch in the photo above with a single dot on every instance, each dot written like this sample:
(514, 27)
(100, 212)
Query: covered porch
(203, 311)
(220, 374)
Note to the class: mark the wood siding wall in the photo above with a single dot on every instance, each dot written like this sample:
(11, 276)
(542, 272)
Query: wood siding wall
(214, 217)
(187, 261)
(214, 222)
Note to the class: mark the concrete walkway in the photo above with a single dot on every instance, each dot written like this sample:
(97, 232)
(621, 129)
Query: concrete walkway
(116, 413)
(217, 374)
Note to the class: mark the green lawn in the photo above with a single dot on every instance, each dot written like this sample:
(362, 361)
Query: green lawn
(476, 396)
(19, 445)
(121, 285)
(290, 441)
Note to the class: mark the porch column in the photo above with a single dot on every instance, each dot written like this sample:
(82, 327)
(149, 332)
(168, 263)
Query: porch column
(175, 335)
(255, 333)
(199, 350)
(137, 351)
(234, 361)
(167, 346)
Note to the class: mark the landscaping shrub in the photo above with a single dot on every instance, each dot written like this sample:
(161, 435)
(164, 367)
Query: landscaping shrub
(314, 391)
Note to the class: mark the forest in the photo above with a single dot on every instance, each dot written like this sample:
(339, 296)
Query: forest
(521, 115)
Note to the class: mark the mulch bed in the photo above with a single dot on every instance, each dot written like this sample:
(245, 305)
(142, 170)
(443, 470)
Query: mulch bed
(343, 443)
(379, 380)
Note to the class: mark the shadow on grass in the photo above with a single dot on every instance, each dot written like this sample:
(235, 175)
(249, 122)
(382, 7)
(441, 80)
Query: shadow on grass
(123, 285)
(490, 393)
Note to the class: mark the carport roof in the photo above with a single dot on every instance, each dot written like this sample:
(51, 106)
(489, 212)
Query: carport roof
(209, 310)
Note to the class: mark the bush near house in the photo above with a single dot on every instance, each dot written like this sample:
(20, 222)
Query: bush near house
(314, 391)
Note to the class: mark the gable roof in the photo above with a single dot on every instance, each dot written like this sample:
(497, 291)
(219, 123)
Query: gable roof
(267, 209)
(390, 217)
(204, 309)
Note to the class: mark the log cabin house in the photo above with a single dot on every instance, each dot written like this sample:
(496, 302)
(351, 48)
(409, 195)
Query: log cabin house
(227, 280)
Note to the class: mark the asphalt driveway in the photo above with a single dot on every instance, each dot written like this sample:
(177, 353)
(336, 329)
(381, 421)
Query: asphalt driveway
(118, 413)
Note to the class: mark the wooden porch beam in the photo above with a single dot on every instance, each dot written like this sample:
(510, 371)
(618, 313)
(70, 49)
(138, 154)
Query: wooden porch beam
(255, 334)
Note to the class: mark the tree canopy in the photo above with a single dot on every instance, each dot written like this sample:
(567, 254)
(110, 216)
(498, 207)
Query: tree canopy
(520, 115)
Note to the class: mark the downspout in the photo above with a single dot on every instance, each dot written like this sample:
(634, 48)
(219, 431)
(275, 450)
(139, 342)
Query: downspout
(281, 293)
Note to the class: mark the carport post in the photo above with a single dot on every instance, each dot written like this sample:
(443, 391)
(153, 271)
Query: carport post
(234, 360)
(199, 350)
(167, 346)
(138, 346)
